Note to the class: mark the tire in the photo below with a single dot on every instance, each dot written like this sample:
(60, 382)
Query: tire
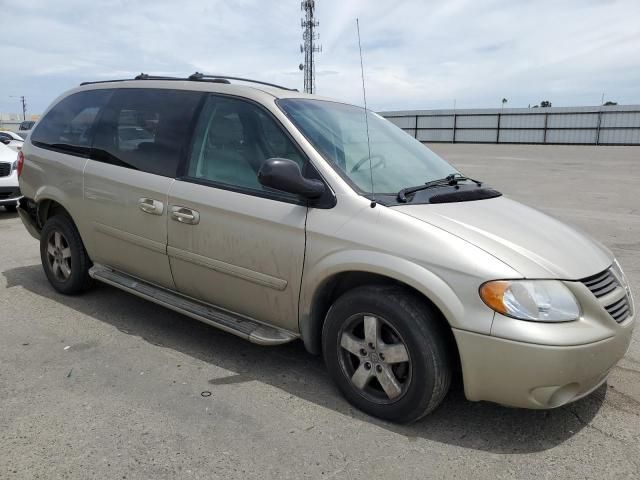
(400, 318)
(11, 208)
(60, 243)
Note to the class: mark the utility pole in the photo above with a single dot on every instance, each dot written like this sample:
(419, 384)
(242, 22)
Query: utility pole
(24, 106)
(309, 36)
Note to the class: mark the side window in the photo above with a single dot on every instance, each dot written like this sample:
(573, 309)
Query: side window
(278, 143)
(232, 140)
(68, 126)
(145, 129)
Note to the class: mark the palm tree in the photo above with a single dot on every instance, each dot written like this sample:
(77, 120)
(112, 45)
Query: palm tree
(504, 100)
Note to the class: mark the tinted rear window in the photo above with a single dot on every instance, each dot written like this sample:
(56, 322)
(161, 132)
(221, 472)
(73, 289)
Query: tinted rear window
(68, 126)
(146, 129)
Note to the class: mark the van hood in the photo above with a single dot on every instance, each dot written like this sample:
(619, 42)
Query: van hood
(529, 241)
(7, 154)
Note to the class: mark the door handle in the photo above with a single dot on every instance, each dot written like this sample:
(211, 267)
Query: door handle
(149, 205)
(185, 215)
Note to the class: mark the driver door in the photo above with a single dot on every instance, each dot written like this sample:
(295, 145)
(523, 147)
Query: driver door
(232, 242)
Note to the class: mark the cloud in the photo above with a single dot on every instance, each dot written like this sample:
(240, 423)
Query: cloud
(417, 53)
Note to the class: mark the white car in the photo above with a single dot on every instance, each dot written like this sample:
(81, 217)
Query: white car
(11, 140)
(9, 189)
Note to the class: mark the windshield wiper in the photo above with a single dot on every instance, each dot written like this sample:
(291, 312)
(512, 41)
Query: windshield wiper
(449, 180)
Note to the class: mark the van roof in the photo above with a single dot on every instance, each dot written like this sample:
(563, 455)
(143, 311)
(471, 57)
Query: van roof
(201, 82)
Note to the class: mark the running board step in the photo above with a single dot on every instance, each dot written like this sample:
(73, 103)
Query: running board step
(243, 327)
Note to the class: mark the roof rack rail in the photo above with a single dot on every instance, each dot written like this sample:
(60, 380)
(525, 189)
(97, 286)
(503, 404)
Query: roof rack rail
(146, 76)
(104, 81)
(200, 77)
(196, 77)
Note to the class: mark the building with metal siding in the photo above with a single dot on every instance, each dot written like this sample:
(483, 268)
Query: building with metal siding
(606, 125)
(11, 121)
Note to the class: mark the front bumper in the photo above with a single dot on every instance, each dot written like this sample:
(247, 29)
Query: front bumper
(536, 376)
(9, 195)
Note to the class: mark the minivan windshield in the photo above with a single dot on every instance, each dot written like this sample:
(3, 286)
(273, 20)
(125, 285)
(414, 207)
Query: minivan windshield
(339, 133)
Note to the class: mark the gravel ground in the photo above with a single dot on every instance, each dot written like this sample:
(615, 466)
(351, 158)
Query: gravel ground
(107, 385)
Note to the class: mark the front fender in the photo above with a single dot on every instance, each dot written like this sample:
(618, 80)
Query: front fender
(386, 265)
(472, 314)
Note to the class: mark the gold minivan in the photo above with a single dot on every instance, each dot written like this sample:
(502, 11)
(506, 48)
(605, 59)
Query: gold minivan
(276, 216)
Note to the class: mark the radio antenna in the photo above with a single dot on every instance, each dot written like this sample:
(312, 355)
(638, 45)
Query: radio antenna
(366, 116)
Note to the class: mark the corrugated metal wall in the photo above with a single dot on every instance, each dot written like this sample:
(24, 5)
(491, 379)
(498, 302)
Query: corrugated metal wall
(9, 121)
(612, 125)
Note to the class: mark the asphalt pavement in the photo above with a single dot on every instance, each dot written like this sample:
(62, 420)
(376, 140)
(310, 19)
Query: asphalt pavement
(107, 385)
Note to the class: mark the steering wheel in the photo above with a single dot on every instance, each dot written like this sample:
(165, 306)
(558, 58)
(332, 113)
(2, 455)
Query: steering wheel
(381, 162)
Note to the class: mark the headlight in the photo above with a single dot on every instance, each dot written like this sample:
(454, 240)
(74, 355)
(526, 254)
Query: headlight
(533, 300)
(624, 283)
(619, 274)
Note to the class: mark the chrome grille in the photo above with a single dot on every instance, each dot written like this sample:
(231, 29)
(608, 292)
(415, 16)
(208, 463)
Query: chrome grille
(5, 169)
(619, 310)
(604, 283)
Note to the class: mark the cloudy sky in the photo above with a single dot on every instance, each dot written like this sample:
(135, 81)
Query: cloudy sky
(418, 54)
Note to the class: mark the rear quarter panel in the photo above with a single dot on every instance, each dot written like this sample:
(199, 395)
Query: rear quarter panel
(49, 175)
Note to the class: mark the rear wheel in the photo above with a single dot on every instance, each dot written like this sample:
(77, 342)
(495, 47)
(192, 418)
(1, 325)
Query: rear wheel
(387, 353)
(64, 258)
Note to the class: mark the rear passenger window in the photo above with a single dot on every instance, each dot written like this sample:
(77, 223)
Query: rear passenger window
(68, 126)
(145, 129)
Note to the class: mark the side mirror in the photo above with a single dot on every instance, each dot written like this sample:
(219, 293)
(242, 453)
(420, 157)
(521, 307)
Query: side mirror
(284, 174)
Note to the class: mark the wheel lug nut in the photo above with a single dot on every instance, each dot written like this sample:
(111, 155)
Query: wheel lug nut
(367, 366)
(372, 346)
(381, 356)
(378, 368)
(363, 352)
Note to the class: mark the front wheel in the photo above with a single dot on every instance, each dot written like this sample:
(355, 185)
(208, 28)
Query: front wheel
(386, 351)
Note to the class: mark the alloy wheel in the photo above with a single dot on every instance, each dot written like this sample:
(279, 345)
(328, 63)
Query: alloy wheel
(59, 256)
(375, 358)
